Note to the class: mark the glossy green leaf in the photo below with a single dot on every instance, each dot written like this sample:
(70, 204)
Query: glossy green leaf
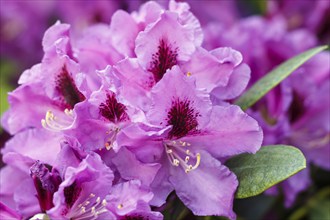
(274, 77)
(269, 166)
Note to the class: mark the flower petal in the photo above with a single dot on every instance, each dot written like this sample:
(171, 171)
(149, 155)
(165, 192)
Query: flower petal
(229, 132)
(130, 168)
(207, 190)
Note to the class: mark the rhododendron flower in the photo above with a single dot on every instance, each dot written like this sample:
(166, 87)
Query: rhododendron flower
(115, 118)
(313, 16)
(185, 118)
(83, 190)
(296, 111)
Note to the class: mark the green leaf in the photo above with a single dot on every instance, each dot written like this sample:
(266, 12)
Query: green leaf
(274, 77)
(269, 166)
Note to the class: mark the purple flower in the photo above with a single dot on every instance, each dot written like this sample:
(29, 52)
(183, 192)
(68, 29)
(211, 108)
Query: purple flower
(170, 43)
(19, 158)
(143, 93)
(158, 51)
(49, 87)
(83, 190)
(101, 118)
(184, 118)
(83, 14)
(304, 14)
(293, 111)
(18, 37)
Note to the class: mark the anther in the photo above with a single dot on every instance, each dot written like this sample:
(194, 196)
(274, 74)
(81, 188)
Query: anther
(53, 123)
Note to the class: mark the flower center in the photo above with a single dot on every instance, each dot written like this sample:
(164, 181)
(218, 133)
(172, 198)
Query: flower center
(55, 123)
(177, 150)
(71, 194)
(163, 60)
(182, 117)
(66, 87)
(90, 208)
(112, 110)
(46, 184)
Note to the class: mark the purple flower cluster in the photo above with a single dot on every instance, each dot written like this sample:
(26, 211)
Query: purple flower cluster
(297, 112)
(20, 40)
(115, 119)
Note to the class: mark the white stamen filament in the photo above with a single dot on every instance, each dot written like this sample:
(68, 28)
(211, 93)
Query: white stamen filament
(88, 209)
(173, 149)
(54, 123)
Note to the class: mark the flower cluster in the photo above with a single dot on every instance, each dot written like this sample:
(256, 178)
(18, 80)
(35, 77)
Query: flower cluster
(297, 111)
(115, 119)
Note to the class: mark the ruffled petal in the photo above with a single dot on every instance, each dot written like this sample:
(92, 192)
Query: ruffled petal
(130, 168)
(177, 87)
(229, 132)
(167, 28)
(207, 190)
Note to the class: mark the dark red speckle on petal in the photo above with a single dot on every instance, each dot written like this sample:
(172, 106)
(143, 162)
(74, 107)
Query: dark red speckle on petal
(183, 117)
(71, 194)
(66, 87)
(113, 110)
(164, 59)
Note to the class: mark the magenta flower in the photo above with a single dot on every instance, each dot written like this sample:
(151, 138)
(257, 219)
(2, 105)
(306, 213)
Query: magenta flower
(293, 111)
(185, 118)
(83, 190)
(115, 118)
(33, 192)
(313, 16)
(51, 86)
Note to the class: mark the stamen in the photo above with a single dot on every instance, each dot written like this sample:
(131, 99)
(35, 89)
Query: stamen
(54, 123)
(188, 73)
(120, 206)
(89, 209)
(174, 150)
(111, 140)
